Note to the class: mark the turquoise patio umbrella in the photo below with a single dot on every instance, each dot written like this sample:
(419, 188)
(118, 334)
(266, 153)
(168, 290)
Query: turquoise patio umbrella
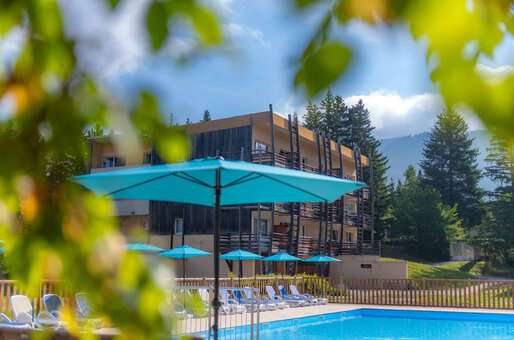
(216, 182)
(240, 255)
(321, 259)
(144, 248)
(184, 252)
(282, 257)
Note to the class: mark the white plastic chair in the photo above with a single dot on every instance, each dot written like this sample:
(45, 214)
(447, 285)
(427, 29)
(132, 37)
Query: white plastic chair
(24, 313)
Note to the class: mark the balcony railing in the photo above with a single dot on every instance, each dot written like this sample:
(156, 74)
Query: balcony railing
(306, 246)
(247, 241)
(336, 248)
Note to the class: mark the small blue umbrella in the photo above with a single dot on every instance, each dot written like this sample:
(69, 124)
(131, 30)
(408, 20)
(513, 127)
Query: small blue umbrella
(321, 259)
(282, 257)
(184, 252)
(240, 255)
(144, 248)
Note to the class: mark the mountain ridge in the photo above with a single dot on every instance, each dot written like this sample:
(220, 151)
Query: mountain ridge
(408, 150)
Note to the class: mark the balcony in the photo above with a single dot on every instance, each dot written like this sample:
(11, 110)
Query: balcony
(336, 248)
(247, 241)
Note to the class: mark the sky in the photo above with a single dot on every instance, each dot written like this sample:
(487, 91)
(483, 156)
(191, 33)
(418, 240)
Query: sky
(255, 67)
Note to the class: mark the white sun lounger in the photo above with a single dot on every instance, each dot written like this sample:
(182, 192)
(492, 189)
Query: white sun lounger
(24, 313)
(267, 303)
(313, 299)
(234, 306)
(206, 298)
(278, 300)
(289, 298)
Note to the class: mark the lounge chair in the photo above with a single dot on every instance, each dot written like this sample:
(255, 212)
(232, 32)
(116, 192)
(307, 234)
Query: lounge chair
(24, 313)
(288, 297)
(234, 306)
(314, 300)
(84, 312)
(278, 300)
(206, 298)
(251, 304)
(250, 294)
(6, 322)
(52, 304)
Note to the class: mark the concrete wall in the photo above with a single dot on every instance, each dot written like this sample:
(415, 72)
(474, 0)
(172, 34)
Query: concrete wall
(367, 267)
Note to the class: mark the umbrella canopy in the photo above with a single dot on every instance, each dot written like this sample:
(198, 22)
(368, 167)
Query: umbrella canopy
(143, 248)
(184, 252)
(240, 255)
(321, 259)
(216, 182)
(195, 181)
(282, 257)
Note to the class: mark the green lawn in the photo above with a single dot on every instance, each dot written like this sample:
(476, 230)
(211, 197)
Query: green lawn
(449, 270)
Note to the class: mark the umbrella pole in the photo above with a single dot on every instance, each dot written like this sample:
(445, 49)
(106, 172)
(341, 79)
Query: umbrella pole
(217, 223)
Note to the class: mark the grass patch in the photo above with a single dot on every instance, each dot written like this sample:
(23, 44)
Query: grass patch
(449, 270)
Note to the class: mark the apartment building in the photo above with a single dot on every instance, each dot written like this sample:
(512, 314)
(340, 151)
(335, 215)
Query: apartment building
(303, 229)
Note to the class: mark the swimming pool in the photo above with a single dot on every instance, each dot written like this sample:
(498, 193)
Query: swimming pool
(379, 324)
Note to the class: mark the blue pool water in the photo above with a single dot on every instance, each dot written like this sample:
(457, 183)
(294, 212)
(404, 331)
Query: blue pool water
(379, 324)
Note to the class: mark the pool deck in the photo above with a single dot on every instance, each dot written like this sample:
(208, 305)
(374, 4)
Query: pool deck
(334, 307)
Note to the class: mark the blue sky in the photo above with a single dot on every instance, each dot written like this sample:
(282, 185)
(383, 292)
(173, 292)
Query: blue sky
(255, 67)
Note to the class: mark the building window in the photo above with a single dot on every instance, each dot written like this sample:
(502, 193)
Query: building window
(147, 157)
(261, 225)
(112, 161)
(261, 147)
(179, 226)
(348, 236)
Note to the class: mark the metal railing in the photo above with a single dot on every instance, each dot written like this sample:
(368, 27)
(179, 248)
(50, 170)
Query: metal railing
(251, 242)
(235, 321)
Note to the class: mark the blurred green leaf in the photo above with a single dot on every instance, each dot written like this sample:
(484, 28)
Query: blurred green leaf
(323, 67)
(157, 24)
(112, 3)
(302, 4)
(206, 25)
(448, 28)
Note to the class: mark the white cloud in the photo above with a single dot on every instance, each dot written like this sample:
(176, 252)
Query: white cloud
(109, 42)
(238, 31)
(224, 7)
(395, 115)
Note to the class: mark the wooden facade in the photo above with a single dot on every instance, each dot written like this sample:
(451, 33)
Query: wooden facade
(303, 229)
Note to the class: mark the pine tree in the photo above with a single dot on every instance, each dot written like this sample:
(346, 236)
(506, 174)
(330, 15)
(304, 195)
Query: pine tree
(500, 170)
(351, 126)
(450, 166)
(421, 221)
(206, 116)
(313, 117)
(358, 131)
